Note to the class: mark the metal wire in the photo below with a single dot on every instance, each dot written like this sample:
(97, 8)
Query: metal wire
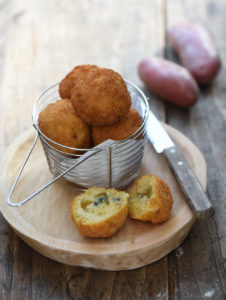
(111, 164)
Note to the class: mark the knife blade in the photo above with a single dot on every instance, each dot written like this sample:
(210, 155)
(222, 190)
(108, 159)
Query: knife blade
(189, 183)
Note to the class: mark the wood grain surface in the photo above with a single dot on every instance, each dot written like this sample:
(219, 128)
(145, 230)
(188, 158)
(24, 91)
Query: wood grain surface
(136, 244)
(40, 42)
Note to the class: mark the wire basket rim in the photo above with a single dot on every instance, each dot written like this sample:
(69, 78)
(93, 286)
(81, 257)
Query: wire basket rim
(35, 124)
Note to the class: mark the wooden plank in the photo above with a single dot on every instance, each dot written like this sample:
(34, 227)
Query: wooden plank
(7, 238)
(203, 265)
(21, 287)
(48, 278)
(42, 41)
(156, 274)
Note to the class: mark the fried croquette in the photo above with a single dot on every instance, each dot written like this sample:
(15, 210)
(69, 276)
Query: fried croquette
(60, 123)
(99, 212)
(118, 131)
(150, 200)
(66, 84)
(100, 96)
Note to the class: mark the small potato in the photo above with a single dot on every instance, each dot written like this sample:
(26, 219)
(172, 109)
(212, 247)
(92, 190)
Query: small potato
(169, 81)
(196, 50)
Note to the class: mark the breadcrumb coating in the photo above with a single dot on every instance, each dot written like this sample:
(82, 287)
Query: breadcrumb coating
(150, 200)
(100, 96)
(60, 123)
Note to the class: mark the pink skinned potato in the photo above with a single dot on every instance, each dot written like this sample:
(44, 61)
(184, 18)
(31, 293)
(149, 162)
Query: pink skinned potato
(169, 81)
(196, 50)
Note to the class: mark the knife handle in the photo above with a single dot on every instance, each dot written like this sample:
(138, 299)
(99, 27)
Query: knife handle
(189, 183)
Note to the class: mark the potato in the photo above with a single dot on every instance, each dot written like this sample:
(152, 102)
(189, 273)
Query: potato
(196, 50)
(169, 81)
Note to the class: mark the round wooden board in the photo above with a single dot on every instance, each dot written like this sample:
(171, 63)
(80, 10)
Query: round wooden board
(44, 223)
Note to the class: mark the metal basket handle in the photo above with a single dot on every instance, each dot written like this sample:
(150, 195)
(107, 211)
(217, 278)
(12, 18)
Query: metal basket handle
(48, 184)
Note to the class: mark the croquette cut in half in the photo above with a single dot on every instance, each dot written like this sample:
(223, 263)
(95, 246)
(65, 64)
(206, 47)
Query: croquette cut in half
(150, 200)
(99, 212)
(99, 95)
(60, 123)
(118, 131)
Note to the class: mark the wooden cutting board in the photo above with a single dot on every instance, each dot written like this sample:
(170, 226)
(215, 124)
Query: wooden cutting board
(44, 222)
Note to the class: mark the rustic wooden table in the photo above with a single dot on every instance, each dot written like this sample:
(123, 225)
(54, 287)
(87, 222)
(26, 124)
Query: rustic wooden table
(40, 42)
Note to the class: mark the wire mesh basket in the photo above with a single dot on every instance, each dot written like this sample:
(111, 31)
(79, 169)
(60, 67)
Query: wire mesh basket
(110, 164)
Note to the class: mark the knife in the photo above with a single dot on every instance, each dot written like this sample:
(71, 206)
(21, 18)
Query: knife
(189, 183)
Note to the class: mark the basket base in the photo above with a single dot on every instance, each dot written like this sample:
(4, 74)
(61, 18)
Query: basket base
(77, 189)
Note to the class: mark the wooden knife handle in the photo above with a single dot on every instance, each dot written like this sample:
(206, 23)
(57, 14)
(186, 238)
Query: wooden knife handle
(190, 185)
